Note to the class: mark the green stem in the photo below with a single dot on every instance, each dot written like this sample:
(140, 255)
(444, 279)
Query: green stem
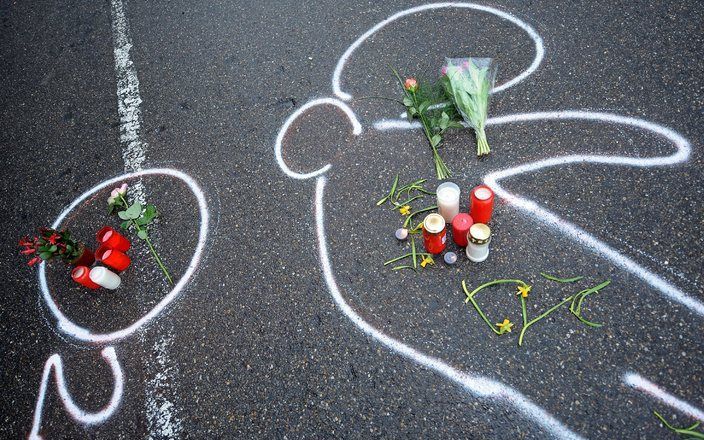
(393, 260)
(543, 315)
(151, 247)
(523, 310)
(410, 216)
(476, 307)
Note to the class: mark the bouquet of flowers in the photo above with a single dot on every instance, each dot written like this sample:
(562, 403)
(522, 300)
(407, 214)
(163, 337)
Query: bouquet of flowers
(422, 104)
(468, 82)
(50, 244)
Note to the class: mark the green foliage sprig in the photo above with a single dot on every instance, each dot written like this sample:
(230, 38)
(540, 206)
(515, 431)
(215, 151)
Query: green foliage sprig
(524, 290)
(411, 192)
(136, 217)
(688, 433)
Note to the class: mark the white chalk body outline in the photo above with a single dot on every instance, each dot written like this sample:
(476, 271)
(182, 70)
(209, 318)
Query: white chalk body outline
(478, 385)
(640, 383)
(539, 50)
(681, 154)
(278, 146)
(87, 418)
(66, 325)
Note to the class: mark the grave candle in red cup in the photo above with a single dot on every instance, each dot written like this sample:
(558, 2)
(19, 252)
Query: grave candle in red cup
(481, 203)
(81, 274)
(460, 227)
(113, 239)
(434, 233)
(112, 258)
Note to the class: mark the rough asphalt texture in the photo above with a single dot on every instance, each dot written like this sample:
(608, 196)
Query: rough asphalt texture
(255, 346)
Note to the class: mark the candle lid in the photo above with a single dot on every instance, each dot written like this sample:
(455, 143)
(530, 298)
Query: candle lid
(434, 223)
(479, 233)
(482, 193)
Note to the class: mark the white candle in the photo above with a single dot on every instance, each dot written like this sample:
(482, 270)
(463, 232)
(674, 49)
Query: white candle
(105, 278)
(448, 195)
(479, 237)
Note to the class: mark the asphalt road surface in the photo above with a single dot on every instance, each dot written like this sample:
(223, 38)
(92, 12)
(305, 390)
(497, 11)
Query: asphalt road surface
(285, 323)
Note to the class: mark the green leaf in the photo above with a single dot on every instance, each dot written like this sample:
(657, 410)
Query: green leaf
(435, 140)
(142, 234)
(45, 255)
(53, 248)
(407, 101)
(123, 215)
(134, 211)
(444, 121)
(423, 106)
(126, 224)
(412, 111)
(149, 214)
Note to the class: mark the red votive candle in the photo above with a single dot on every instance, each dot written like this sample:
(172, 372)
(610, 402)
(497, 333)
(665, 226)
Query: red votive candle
(460, 227)
(80, 275)
(112, 258)
(481, 204)
(113, 239)
(434, 233)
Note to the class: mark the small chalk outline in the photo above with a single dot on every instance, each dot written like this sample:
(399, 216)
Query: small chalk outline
(66, 325)
(54, 362)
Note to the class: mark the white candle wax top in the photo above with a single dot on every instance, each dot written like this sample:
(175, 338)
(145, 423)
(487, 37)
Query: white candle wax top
(448, 192)
(107, 236)
(483, 193)
(79, 272)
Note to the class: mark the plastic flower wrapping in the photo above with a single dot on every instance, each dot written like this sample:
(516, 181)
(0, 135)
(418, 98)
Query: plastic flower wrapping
(468, 83)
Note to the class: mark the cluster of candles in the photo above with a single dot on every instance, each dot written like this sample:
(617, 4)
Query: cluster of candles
(111, 253)
(469, 230)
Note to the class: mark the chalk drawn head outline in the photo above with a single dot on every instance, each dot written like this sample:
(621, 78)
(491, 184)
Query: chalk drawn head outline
(477, 385)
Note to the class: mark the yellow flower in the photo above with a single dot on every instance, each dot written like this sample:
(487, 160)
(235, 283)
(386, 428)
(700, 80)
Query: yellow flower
(523, 291)
(405, 210)
(504, 326)
(426, 260)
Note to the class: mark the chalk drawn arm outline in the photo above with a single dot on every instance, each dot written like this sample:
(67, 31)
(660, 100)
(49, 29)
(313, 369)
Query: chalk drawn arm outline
(682, 153)
(54, 363)
(638, 382)
(278, 146)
